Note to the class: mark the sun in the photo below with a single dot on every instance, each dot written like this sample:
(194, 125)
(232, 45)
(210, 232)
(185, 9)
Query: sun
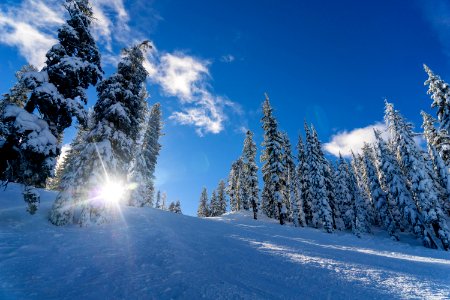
(112, 192)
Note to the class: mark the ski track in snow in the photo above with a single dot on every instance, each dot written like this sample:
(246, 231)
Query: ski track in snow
(151, 254)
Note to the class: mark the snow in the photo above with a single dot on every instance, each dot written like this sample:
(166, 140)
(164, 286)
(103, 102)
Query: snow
(154, 254)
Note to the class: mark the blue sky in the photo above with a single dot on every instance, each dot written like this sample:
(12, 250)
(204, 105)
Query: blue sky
(329, 62)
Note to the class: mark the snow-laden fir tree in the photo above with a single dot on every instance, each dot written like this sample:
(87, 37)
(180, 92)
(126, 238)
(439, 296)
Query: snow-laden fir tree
(378, 196)
(343, 194)
(363, 183)
(221, 198)
(236, 185)
(72, 65)
(330, 183)
(306, 178)
(440, 94)
(163, 201)
(320, 207)
(214, 208)
(440, 168)
(158, 200)
(250, 173)
(171, 207)
(273, 167)
(360, 222)
(400, 205)
(202, 210)
(300, 184)
(58, 91)
(143, 168)
(178, 208)
(27, 146)
(423, 190)
(105, 159)
(288, 178)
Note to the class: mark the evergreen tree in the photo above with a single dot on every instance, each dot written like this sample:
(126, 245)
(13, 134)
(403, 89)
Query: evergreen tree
(158, 200)
(178, 207)
(214, 205)
(307, 171)
(422, 188)
(110, 143)
(359, 224)
(440, 94)
(221, 198)
(202, 210)
(321, 210)
(441, 170)
(288, 178)
(273, 167)
(343, 194)
(171, 207)
(400, 206)
(163, 201)
(251, 173)
(299, 183)
(235, 185)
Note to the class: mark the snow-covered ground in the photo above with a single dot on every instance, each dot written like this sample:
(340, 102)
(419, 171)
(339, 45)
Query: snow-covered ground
(153, 254)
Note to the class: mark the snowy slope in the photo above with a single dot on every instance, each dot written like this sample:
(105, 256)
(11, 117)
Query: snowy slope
(152, 254)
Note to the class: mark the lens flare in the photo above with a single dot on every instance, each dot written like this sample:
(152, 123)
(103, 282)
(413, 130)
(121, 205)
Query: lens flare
(112, 192)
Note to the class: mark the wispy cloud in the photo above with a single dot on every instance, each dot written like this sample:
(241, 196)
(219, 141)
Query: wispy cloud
(346, 141)
(437, 13)
(31, 27)
(187, 78)
(227, 58)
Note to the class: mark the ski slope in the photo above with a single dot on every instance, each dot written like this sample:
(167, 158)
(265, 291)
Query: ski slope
(153, 254)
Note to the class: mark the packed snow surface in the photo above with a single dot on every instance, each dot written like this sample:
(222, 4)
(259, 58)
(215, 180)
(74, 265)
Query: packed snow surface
(153, 254)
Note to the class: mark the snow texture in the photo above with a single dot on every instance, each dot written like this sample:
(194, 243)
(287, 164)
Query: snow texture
(153, 254)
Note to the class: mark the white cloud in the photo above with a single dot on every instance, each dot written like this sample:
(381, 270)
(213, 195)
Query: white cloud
(347, 141)
(187, 77)
(32, 25)
(180, 75)
(227, 58)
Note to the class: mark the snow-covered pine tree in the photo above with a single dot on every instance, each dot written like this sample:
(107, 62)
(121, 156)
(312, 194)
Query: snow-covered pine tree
(163, 201)
(330, 181)
(307, 171)
(171, 207)
(10, 138)
(359, 224)
(370, 178)
(143, 171)
(422, 188)
(273, 167)
(321, 210)
(363, 183)
(27, 147)
(399, 200)
(214, 205)
(178, 207)
(221, 198)
(110, 143)
(343, 194)
(72, 65)
(202, 210)
(235, 185)
(441, 170)
(300, 184)
(158, 200)
(288, 178)
(440, 94)
(251, 173)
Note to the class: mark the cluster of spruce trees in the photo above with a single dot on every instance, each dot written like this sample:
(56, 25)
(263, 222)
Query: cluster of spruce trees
(217, 206)
(161, 199)
(117, 141)
(392, 184)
